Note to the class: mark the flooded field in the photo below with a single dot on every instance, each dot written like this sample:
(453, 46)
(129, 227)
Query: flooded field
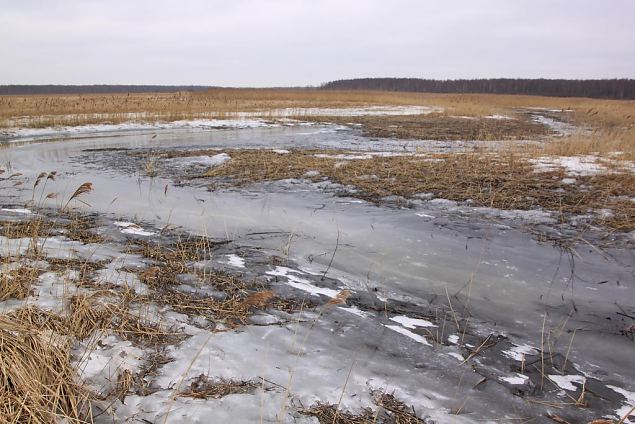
(283, 292)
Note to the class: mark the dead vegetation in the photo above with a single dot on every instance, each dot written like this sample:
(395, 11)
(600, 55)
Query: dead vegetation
(439, 126)
(234, 301)
(88, 314)
(37, 382)
(25, 229)
(202, 387)
(53, 110)
(390, 410)
(16, 283)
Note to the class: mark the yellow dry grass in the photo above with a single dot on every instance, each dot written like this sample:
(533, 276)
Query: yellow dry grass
(50, 110)
(16, 283)
(37, 382)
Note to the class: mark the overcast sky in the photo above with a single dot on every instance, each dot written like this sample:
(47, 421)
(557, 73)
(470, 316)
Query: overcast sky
(307, 42)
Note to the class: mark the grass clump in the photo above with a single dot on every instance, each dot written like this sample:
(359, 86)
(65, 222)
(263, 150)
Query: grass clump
(441, 127)
(17, 283)
(202, 387)
(390, 410)
(37, 382)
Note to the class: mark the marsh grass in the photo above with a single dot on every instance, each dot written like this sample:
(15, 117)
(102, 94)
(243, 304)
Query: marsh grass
(56, 110)
(203, 387)
(440, 126)
(390, 410)
(37, 382)
(16, 283)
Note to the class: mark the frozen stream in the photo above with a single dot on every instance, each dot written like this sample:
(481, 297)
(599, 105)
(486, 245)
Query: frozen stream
(424, 255)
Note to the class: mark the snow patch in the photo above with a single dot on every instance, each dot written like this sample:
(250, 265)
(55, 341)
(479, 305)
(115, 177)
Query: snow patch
(301, 283)
(518, 352)
(565, 382)
(20, 211)
(499, 117)
(133, 229)
(457, 356)
(235, 261)
(573, 165)
(416, 337)
(412, 322)
(518, 379)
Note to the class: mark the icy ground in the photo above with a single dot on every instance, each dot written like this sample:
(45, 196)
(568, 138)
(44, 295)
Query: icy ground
(447, 310)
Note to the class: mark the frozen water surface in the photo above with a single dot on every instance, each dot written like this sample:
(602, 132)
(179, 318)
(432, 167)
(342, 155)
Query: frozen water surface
(436, 255)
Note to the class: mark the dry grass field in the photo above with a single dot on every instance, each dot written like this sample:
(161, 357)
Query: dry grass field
(55, 109)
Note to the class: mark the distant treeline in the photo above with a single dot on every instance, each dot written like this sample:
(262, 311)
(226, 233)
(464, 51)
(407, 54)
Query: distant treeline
(102, 88)
(601, 88)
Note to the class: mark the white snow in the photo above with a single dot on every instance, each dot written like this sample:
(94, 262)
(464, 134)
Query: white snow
(416, 337)
(115, 276)
(565, 382)
(412, 322)
(301, 283)
(105, 360)
(499, 117)
(281, 151)
(357, 111)
(134, 126)
(17, 211)
(517, 379)
(518, 352)
(457, 356)
(573, 165)
(356, 311)
(343, 156)
(132, 228)
(453, 338)
(424, 215)
(235, 261)
(215, 160)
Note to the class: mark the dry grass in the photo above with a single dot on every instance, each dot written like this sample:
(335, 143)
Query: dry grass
(390, 411)
(37, 382)
(102, 311)
(17, 283)
(25, 229)
(442, 127)
(51, 110)
(240, 298)
(202, 387)
(613, 143)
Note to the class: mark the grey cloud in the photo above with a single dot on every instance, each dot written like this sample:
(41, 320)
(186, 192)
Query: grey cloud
(299, 42)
